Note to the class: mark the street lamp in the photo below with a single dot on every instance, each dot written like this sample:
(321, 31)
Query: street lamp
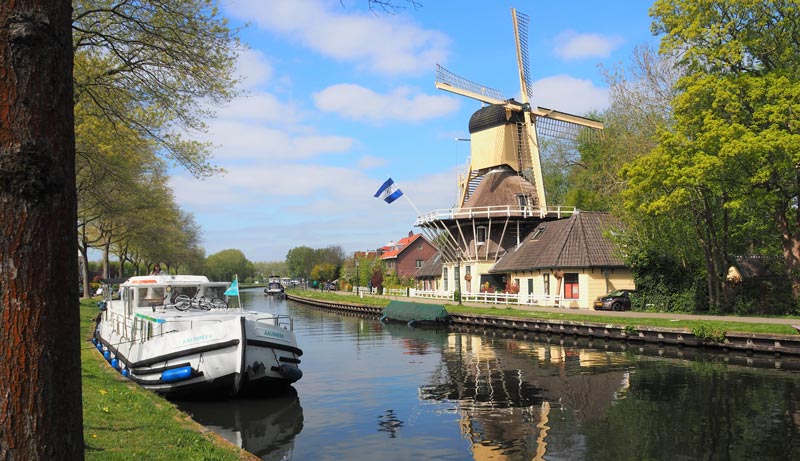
(358, 289)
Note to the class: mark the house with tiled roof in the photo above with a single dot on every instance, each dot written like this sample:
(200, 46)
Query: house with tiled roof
(430, 274)
(568, 262)
(407, 255)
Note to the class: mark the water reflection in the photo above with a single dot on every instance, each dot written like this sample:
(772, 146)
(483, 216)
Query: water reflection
(265, 427)
(392, 392)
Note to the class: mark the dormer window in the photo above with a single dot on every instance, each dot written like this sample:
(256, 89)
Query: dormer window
(522, 200)
(480, 235)
(538, 232)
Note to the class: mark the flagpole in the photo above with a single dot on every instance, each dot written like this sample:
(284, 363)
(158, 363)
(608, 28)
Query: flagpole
(419, 213)
(238, 296)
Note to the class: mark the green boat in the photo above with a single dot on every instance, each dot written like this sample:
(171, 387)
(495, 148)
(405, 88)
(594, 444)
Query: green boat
(415, 314)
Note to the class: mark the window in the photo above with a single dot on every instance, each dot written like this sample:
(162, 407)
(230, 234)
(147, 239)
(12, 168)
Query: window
(522, 200)
(530, 286)
(571, 288)
(546, 279)
(444, 277)
(480, 235)
(418, 263)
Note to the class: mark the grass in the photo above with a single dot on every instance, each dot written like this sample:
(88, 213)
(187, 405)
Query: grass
(122, 421)
(719, 325)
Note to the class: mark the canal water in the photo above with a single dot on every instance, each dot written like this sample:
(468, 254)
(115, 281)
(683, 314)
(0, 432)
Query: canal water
(390, 392)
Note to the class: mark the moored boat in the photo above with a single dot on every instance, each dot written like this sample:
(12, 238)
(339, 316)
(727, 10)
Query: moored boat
(175, 335)
(415, 314)
(274, 287)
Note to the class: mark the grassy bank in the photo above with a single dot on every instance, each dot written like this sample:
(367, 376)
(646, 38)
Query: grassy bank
(750, 326)
(122, 421)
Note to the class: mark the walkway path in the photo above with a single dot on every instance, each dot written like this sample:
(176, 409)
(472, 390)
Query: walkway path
(628, 314)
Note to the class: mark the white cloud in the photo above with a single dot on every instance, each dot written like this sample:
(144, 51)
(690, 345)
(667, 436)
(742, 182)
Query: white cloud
(261, 107)
(359, 103)
(569, 94)
(247, 140)
(368, 162)
(572, 45)
(383, 44)
(253, 68)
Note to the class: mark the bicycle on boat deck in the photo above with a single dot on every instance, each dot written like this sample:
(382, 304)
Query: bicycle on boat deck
(184, 302)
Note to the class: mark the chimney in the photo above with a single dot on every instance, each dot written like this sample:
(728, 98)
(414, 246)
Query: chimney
(411, 233)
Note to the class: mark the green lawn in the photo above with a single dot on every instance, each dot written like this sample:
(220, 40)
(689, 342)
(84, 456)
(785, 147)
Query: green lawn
(753, 326)
(122, 421)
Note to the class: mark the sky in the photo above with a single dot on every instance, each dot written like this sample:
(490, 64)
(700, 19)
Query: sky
(337, 98)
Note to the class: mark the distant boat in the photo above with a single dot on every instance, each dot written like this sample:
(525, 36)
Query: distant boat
(174, 334)
(275, 288)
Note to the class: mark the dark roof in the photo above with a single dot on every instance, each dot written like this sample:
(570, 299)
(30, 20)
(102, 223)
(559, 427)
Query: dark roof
(574, 242)
(431, 268)
(500, 187)
(753, 266)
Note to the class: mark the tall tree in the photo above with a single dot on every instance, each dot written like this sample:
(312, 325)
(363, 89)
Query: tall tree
(155, 67)
(732, 155)
(40, 381)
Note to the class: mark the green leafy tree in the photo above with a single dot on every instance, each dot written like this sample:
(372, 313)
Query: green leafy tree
(323, 272)
(730, 162)
(300, 261)
(227, 263)
(155, 67)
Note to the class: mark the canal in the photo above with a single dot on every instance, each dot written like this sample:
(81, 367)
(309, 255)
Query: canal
(390, 392)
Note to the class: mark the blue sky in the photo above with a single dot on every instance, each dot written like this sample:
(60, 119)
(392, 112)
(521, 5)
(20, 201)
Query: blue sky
(338, 98)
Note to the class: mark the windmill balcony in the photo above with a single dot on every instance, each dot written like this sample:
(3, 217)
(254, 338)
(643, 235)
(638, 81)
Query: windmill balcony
(498, 211)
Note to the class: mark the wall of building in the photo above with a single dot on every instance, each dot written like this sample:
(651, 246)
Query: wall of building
(592, 283)
(406, 262)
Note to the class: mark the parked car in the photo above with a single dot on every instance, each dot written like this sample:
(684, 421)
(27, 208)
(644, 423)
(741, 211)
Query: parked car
(330, 286)
(617, 300)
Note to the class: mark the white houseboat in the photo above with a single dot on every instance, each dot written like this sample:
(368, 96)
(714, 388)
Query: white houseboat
(175, 335)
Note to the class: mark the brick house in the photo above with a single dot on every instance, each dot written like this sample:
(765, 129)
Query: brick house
(407, 255)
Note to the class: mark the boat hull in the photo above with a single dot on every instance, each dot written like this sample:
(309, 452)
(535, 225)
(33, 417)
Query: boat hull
(202, 356)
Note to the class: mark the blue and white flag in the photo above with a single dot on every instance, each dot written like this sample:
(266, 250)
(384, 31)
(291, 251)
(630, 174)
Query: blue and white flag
(233, 290)
(389, 192)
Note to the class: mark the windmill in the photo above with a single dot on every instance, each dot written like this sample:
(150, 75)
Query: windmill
(502, 195)
(505, 132)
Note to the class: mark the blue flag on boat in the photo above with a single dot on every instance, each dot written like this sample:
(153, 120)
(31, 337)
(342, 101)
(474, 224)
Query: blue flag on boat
(233, 290)
(389, 192)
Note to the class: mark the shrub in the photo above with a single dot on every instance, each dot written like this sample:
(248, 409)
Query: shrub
(706, 333)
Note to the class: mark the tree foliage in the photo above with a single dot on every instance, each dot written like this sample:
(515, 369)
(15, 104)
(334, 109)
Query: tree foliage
(728, 164)
(153, 67)
(227, 263)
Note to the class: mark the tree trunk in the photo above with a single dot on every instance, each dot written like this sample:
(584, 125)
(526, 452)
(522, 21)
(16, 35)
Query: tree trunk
(791, 252)
(40, 370)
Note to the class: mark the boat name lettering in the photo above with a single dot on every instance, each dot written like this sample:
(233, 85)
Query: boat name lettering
(272, 334)
(197, 338)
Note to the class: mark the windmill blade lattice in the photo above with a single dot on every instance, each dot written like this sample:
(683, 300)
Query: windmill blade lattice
(448, 78)
(568, 131)
(522, 20)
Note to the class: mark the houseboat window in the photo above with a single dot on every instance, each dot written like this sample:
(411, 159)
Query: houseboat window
(480, 235)
(151, 296)
(444, 277)
(546, 280)
(571, 288)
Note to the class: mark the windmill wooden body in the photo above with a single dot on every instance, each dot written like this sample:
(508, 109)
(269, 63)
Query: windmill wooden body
(501, 193)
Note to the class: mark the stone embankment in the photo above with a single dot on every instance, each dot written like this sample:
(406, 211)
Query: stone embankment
(747, 344)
